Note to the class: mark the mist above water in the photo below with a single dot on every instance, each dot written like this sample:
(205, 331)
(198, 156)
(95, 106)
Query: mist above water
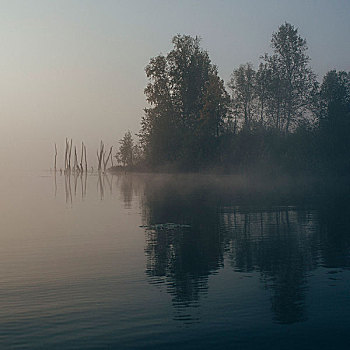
(140, 257)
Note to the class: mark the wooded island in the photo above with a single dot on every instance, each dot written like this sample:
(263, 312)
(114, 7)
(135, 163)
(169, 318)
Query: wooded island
(276, 119)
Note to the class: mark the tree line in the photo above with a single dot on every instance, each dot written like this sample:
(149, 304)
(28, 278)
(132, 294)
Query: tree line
(276, 118)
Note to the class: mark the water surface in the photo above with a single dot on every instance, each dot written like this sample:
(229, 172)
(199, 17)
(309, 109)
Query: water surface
(172, 261)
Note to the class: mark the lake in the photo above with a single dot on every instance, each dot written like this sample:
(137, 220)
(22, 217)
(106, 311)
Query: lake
(172, 262)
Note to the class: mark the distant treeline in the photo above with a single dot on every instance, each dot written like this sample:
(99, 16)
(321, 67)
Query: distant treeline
(275, 119)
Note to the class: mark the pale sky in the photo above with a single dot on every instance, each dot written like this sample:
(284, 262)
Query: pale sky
(76, 68)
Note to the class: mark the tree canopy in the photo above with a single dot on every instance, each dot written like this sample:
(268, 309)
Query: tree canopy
(276, 118)
(188, 102)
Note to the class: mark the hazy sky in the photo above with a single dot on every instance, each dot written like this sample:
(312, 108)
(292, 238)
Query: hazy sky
(76, 68)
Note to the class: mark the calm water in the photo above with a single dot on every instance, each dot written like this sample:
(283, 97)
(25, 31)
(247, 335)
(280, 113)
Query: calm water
(172, 262)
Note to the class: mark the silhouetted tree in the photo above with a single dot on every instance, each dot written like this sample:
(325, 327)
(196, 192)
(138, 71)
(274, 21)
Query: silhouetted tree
(242, 85)
(187, 99)
(125, 155)
(334, 121)
(269, 123)
(293, 81)
(261, 90)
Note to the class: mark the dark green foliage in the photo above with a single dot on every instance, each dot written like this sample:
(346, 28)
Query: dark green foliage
(296, 79)
(242, 85)
(334, 121)
(188, 106)
(128, 153)
(279, 120)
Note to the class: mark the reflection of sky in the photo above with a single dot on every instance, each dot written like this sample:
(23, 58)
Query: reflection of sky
(76, 68)
(226, 279)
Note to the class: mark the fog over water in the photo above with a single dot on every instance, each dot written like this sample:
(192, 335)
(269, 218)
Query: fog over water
(169, 261)
(184, 257)
(76, 69)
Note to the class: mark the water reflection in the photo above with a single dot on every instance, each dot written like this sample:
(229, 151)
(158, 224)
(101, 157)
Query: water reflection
(79, 182)
(126, 185)
(247, 228)
(334, 221)
(283, 234)
(280, 244)
(181, 258)
(75, 185)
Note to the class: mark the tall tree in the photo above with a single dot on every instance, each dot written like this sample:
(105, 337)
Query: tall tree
(214, 113)
(334, 120)
(242, 84)
(261, 90)
(275, 92)
(181, 92)
(158, 125)
(297, 81)
(335, 99)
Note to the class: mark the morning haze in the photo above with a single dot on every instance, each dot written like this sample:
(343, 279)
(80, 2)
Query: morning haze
(76, 68)
(199, 195)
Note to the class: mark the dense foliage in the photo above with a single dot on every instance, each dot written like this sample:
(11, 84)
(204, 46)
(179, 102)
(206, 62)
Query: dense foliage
(276, 119)
(188, 107)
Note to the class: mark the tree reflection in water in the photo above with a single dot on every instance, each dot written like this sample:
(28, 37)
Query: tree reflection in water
(282, 234)
(183, 258)
(280, 244)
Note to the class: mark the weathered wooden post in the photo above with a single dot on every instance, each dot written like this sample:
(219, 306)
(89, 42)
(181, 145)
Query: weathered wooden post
(106, 161)
(70, 155)
(65, 157)
(55, 166)
(100, 155)
(75, 167)
(81, 157)
(86, 165)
